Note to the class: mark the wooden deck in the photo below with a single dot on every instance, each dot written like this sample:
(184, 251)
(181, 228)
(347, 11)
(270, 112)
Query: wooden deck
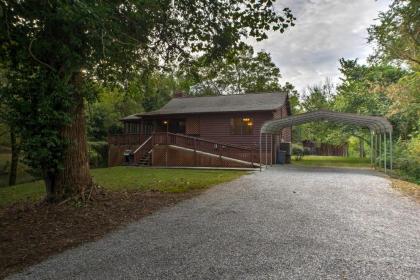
(205, 152)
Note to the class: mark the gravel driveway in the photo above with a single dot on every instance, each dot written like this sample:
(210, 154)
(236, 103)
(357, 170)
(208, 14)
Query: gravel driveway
(283, 223)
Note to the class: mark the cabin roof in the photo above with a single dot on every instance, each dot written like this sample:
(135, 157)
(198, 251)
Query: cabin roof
(221, 103)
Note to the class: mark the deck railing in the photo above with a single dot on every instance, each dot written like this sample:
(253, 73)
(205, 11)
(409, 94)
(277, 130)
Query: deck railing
(208, 146)
(144, 143)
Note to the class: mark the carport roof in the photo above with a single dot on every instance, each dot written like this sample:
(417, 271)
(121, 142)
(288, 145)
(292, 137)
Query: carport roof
(374, 123)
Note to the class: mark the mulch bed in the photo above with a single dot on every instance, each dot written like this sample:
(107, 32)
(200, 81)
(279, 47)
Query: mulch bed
(29, 233)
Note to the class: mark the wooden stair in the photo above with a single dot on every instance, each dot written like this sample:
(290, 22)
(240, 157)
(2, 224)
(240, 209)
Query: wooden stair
(146, 160)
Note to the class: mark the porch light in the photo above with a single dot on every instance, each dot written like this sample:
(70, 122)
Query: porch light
(165, 122)
(246, 119)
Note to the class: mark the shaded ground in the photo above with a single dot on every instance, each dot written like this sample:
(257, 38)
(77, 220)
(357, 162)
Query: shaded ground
(29, 234)
(283, 223)
(30, 231)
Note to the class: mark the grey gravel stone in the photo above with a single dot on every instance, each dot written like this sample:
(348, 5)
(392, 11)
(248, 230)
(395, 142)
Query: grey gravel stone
(282, 223)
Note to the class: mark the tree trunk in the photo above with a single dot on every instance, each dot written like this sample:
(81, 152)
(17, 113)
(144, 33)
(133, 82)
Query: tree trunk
(15, 158)
(74, 179)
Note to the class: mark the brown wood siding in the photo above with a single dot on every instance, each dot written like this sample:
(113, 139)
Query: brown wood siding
(217, 127)
(192, 125)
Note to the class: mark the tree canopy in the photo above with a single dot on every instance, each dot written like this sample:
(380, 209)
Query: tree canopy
(239, 71)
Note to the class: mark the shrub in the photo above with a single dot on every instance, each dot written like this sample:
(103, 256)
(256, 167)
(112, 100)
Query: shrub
(297, 151)
(306, 151)
(98, 154)
(407, 158)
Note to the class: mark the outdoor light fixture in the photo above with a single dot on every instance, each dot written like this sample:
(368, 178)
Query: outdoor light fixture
(246, 119)
(249, 123)
(165, 122)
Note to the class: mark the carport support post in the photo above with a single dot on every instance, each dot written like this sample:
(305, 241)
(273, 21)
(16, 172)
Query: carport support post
(390, 150)
(380, 149)
(371, 148)
(377, 150)
(266, 148)
(385, 151)
(260, 150)
(271, 150)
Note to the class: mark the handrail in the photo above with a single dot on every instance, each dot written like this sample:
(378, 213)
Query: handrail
(142, 145)
(206, 140)
(199, 144)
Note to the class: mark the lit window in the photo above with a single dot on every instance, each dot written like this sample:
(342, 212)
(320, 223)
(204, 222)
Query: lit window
(242, 126)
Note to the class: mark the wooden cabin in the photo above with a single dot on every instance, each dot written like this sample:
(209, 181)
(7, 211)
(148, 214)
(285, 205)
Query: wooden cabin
(210, 131)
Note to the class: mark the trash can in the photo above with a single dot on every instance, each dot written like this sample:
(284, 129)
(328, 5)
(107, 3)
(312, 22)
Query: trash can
(128, 156)
(287, 147)
(281, 157)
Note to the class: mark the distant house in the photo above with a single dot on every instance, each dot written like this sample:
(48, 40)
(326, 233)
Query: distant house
(202, 131)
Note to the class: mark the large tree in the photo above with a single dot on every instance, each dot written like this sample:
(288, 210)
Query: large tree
(365, 89)
(396, 37)
(53, 52)
(397, 33)
(241, 70)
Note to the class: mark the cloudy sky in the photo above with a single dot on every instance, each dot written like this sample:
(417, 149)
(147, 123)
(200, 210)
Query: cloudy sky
(325, 31)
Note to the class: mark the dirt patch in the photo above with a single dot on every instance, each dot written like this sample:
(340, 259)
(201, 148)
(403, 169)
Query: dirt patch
(30, 233)
(407, 188)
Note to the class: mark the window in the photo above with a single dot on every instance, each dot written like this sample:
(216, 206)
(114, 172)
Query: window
(132, 127)
(242, 126)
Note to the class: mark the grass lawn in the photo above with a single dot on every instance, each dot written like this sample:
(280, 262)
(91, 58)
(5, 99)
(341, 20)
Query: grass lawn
(131, 178)
(332, 161)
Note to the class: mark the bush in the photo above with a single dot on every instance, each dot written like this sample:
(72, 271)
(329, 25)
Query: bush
(297, 151)
(98, 154)
(306, 151)
(407, 158)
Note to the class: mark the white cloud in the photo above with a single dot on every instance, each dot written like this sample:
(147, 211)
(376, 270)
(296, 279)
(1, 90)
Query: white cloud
(325, 31)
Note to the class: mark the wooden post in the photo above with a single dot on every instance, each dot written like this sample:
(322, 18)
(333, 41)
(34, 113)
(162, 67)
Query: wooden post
(142, 127)
(166, 155)
(195, 152)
